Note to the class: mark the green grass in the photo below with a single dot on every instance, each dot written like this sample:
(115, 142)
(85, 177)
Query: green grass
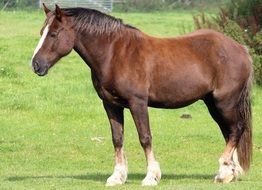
(47, 123)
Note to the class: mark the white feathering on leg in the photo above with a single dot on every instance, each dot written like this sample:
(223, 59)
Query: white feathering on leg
(119, 175)
(153, 175)
(238, 169)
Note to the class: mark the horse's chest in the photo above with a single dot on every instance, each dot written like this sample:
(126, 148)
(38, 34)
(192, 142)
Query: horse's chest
(108, 93)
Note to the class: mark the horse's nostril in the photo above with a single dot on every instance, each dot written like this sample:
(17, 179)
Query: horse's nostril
(36, 66)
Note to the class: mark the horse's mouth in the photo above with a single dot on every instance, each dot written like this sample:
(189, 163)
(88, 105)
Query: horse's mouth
(42, 73)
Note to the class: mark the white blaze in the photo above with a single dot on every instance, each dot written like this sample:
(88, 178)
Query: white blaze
(42, 39)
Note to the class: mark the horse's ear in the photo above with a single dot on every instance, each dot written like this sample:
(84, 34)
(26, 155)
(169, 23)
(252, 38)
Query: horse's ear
(46, 9)
(58, 12)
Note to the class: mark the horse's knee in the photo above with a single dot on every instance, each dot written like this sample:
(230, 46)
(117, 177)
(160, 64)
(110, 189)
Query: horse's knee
(145, 140)
(118, 142)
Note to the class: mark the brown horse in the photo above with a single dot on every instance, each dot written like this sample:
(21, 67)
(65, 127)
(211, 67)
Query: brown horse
(133, 70)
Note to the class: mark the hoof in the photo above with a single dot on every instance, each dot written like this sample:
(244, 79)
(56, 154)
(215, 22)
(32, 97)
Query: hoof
(153, 175)
(113, 181)
(149, 182)
(227, 173)
(224, 179)
(238, 169)
(118, 177)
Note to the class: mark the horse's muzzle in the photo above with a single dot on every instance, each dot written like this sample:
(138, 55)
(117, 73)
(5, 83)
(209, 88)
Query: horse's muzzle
(41, 69)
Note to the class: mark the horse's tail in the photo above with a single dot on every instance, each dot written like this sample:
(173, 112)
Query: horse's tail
(244, 147)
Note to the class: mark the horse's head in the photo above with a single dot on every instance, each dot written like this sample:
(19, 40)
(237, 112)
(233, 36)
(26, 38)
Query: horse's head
(57, 40)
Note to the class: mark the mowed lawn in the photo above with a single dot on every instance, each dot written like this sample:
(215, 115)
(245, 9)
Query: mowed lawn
(54, 133)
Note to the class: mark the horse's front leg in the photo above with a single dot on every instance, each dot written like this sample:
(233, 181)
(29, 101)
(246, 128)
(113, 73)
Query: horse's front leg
(116, 118)
(139, 111)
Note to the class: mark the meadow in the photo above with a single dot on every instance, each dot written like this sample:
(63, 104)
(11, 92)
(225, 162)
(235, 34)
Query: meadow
(54, 133)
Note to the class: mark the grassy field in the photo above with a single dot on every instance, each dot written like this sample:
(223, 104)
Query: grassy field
(48, 125)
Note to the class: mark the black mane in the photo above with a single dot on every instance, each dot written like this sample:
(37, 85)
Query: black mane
(95, 21)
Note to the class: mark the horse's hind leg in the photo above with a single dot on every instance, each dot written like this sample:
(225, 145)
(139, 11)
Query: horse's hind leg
(225, 114)
(139, 111)
(116, 118)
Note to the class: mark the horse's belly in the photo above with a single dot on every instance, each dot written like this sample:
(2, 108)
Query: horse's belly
(178, 94)
(173, 100)
(178, 85)
(170, 104)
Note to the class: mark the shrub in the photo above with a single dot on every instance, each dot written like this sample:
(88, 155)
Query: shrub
(10, 4)
(27, 3)
(257, 66)
(145, 5)
(233, 30)
(165, 5)
(257, 43)
(242, 21)
(247, 13)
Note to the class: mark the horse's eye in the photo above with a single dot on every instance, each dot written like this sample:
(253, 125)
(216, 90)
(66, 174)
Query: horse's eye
(53, 34)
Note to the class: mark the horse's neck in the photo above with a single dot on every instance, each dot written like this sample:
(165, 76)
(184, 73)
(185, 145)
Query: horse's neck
(98, 50)
(94, 50)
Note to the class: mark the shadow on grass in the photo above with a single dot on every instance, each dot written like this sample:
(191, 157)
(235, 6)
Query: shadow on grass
(102, 177)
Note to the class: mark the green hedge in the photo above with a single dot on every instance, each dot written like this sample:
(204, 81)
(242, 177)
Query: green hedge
(11, 4)
(241, 20)
(165, 5)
